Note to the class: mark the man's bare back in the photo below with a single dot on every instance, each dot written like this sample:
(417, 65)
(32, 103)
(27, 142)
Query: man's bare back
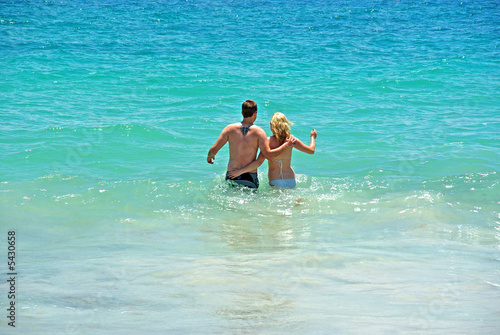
(243, 144)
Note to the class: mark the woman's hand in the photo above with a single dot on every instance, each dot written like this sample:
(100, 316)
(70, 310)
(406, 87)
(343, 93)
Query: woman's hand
(234, 173)
(314, 133)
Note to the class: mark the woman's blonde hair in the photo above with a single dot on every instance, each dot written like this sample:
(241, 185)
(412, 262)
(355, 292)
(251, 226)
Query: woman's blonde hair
(280, 126)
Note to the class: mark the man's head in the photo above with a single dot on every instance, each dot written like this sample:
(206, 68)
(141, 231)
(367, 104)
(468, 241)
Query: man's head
(248, 108)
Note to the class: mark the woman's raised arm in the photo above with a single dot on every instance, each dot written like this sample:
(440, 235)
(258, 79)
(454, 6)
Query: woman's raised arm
(309, 149)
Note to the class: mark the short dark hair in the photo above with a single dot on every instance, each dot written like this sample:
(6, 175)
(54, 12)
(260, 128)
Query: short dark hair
(248, 108)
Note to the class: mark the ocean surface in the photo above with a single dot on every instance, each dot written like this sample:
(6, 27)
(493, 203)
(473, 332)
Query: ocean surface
(108, 109)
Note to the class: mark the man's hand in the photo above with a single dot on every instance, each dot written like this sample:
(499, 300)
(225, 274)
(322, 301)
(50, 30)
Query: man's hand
(210, 157)
(291, 140)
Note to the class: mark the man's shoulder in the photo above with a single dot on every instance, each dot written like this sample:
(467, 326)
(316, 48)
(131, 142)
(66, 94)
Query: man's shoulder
(237, 126)
(232, 126)
(257, 129)
(248, 132)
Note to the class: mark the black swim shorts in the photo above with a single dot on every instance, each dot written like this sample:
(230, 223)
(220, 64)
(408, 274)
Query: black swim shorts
(248, 179)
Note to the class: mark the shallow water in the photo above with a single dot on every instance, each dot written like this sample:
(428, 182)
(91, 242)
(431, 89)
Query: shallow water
(109, 110)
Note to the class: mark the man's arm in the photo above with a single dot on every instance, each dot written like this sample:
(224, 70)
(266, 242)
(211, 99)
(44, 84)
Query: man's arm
(266, 150)
(221, 141)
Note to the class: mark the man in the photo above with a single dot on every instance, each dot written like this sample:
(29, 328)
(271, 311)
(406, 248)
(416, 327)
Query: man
(245, 139)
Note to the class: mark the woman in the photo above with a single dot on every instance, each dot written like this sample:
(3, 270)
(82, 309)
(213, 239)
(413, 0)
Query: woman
(280, 171)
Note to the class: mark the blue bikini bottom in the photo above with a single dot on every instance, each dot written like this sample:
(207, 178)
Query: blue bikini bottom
(289, 183)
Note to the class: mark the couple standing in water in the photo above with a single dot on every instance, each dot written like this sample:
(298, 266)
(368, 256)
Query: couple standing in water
(245, 139)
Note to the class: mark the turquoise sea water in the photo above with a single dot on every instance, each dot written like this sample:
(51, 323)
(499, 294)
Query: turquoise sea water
(108, 109)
